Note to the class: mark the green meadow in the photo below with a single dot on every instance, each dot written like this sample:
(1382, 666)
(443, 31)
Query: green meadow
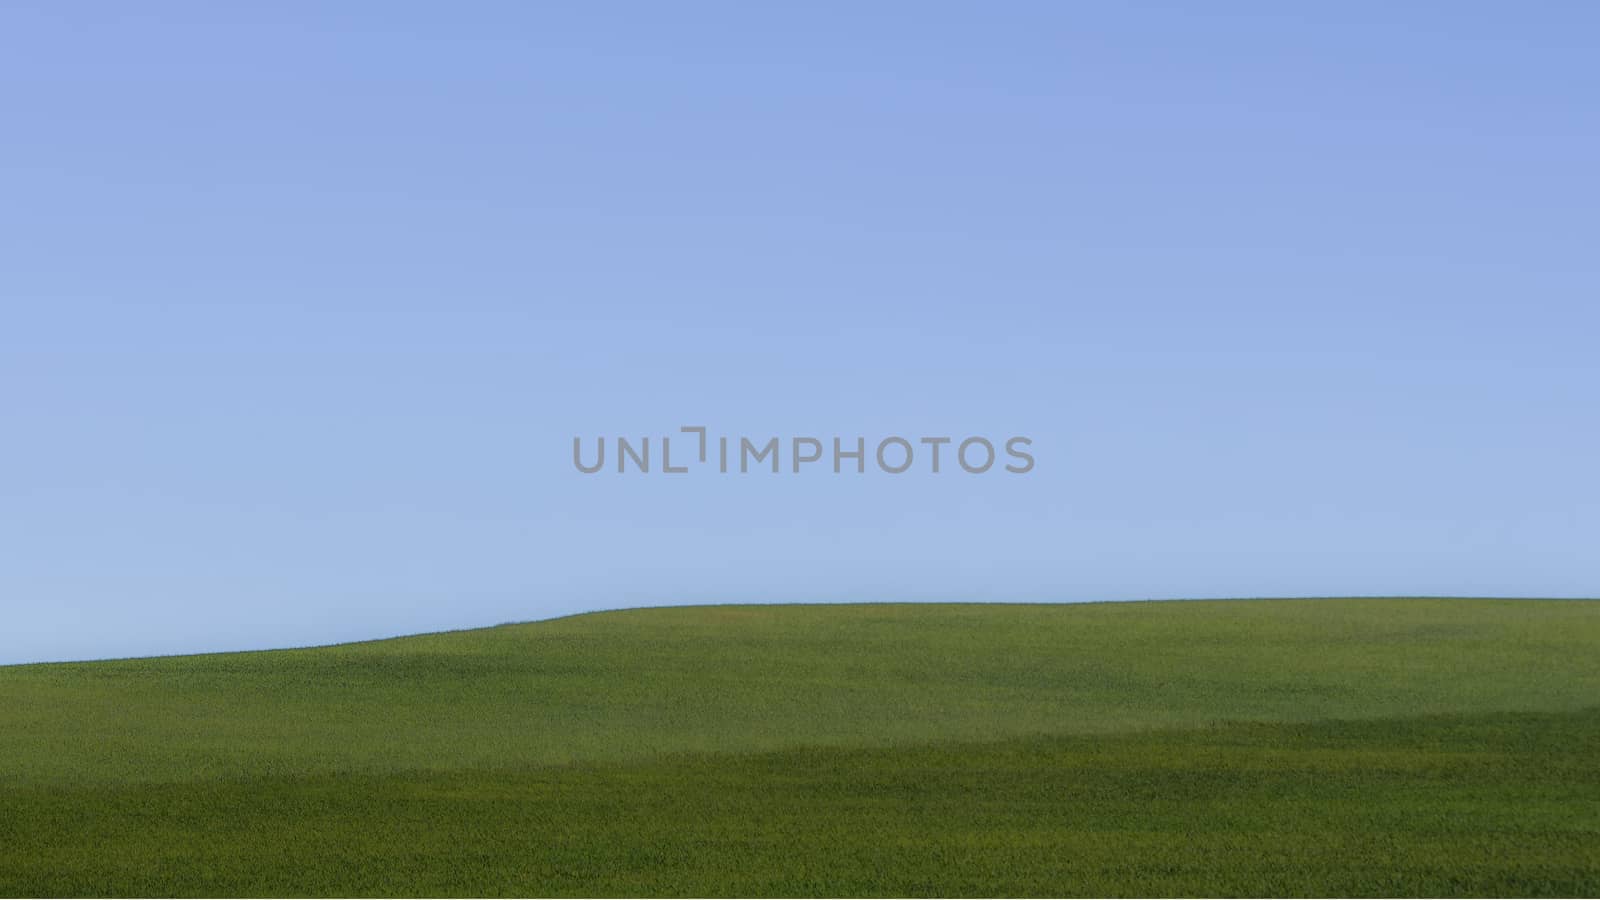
(1387, 747)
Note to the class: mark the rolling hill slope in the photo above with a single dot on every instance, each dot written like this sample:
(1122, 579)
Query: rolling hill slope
(1290, 747)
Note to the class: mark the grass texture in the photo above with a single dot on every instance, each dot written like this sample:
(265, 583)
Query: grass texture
(1393, 747)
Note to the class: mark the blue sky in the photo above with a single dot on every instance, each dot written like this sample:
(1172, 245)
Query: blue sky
(301, 306)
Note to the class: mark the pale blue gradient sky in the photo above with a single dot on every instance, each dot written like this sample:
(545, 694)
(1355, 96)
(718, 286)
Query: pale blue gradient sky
(301, 306)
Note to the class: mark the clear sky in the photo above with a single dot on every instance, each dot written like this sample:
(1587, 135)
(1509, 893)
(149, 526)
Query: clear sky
(301, 306)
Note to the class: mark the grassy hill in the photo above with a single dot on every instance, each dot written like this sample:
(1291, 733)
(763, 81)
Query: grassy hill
(1439, 747)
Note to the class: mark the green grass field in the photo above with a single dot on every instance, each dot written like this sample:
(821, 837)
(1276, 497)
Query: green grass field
(1302, 747)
